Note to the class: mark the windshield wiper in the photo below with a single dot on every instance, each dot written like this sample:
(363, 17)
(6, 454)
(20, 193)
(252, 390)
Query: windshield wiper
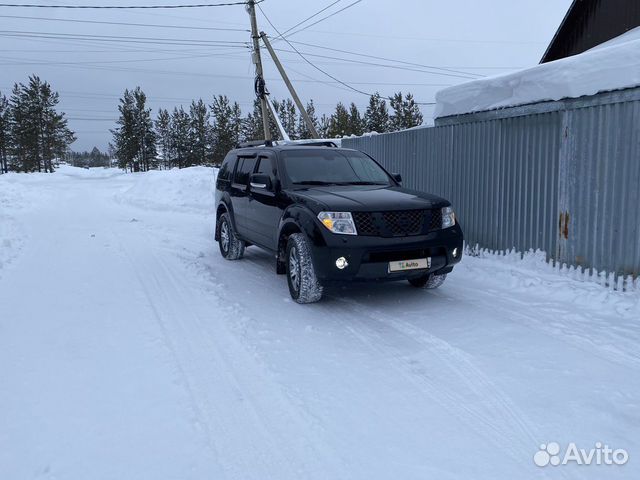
(314, 182)
(363, 183)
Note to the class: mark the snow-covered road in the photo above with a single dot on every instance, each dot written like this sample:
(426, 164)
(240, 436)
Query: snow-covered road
(129, 349)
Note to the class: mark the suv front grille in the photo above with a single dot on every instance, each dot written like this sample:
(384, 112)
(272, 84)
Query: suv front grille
(400, 223)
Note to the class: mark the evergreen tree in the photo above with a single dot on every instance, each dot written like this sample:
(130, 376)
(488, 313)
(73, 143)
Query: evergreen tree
(303, 130)
(252, 124)
(180, 137)
(376, 118)
(355, 124)
(227, 127)
(163, 137)
(339, 122)
(288, 117)
(146, 135)
(406, 113)
(4, 134)
(324, 126)
(200, 133)
(94, 158)
(124, 135)
(134, 138)
(37, 131)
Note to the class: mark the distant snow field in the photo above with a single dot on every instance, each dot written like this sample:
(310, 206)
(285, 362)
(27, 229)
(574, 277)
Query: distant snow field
(129, 349)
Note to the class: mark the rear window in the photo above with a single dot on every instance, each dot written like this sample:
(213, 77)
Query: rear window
(245, 168)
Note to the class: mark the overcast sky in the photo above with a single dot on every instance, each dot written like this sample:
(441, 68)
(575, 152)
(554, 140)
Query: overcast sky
(469, 36)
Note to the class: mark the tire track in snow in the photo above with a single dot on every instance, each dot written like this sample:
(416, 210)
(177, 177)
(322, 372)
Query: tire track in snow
(570, 336)
(494, 427)
(506, 426)
(260, 426)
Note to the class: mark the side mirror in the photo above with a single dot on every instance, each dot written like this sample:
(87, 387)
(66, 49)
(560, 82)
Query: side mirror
(260, 181)
(397, 177)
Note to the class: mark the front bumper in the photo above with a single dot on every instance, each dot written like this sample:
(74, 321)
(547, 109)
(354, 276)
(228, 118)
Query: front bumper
(369, 257)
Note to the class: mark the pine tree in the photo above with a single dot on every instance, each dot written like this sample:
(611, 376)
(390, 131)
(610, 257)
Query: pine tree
(288, 117)
(376, 118)
(355, 125)
(4, 134)
(38, 133)
(180, 138)
(227, 127)
(303, 130)
(134, 139)
(146, 135)
(324, 126)
(200, 133)
(94, 158)
(163, 137)
(339, 122)
(406, 113)
(252, 124)
(124, 135)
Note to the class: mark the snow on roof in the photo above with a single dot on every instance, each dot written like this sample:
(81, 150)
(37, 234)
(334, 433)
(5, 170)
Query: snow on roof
(610, 66)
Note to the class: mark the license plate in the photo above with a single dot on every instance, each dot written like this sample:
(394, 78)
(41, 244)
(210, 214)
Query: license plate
(416, 264)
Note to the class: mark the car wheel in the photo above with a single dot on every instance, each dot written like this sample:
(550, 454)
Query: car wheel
(428, 281)
(304, 286)
(231, 247)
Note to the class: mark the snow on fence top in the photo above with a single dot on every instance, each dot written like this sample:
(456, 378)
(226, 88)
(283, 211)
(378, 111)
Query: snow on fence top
(612, 65)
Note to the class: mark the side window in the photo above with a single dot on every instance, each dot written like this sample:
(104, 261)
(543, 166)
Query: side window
(225, 171)
(245, 168)
(265, 166)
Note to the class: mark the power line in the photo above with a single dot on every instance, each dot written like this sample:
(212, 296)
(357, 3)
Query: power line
(323, 18)
(383, 58)
(117, 38)
(121, 7)
(103, 62)
(309, 18)
(125, 23)
(361, 62)
(350, 87)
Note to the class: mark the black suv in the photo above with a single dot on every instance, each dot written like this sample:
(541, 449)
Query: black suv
(332, 215)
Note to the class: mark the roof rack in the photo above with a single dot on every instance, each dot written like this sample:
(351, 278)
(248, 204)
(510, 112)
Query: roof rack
(296, 143)
(319, 143)
(256, 143)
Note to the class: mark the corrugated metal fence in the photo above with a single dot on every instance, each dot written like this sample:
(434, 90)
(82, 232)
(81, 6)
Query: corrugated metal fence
(563, 177)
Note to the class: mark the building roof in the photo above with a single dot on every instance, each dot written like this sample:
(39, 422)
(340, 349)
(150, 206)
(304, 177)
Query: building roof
(589, 23)
(613, 65)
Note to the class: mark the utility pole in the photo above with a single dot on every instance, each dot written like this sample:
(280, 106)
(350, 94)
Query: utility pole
(292, 91)
(259, 83)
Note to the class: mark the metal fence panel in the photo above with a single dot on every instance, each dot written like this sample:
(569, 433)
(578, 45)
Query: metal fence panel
(563, 177)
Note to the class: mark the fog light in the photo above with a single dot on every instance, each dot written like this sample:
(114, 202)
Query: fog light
(455, 253)
(342, 263)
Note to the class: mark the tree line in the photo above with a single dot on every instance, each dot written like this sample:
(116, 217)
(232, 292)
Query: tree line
(202, 134)
(93, 158)
(32, 132)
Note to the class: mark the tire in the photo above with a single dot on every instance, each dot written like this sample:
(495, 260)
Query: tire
(304, 286)
(428, 281)
(231, 247)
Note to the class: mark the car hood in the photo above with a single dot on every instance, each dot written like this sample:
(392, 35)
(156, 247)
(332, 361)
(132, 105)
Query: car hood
(372, 198)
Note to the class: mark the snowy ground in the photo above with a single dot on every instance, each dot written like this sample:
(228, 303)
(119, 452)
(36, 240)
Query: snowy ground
(129, 349)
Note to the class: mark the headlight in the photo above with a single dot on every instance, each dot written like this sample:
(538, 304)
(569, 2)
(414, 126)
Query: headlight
(338, 222)
(448, 217)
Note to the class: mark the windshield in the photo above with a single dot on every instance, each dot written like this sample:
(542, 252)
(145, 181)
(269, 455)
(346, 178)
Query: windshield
(332, 167)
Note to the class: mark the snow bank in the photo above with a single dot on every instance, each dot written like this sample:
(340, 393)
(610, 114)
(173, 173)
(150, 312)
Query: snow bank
(189, 189)
(611, 66)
